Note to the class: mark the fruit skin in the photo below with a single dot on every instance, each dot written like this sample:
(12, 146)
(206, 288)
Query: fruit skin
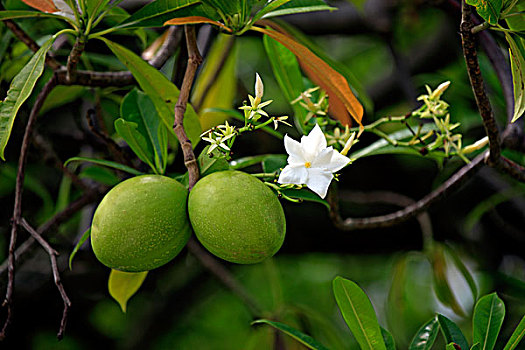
(236, 217)
(141, 223)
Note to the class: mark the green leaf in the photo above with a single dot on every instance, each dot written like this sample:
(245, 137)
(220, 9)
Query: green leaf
(299, 6)
(388, 339)
(222, 91)
(122, 285)
(304, 339)
(20, 89)
(274, 162)
(450, 346)
(107, 163)
(138, 108)
(270, 6)
(211, 163)
(489, 10)
(488, 317)
(245, 162)
(288, 75)
(155, 13)
(305, 195)
(128, 131)
(359, 314)
(104, 176)
(162, 92)
(517, 65)
(516, 336)
(451, 332)
(84, 238)
(384, 147)
(26, 14)
(476, 346)
(425, 336)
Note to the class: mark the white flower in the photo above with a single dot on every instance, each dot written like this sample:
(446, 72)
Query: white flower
(311, 162)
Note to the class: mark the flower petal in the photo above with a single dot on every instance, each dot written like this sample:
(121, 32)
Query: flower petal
(294, 149)
(314, 143)
(319, 181)
(338, 162)
(293, 175)
(323, 159)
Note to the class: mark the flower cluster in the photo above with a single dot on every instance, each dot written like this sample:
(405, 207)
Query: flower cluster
(319, 108)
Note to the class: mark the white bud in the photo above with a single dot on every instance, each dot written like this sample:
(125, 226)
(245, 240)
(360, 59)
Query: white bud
(440, 89)
(348, 144)
(259, 89)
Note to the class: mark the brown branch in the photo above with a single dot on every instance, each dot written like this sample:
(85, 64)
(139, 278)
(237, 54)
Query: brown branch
(52, 256)
(194, 59)
(17, 211)
(56, 220)
(409, 211)
(51, 156)
(476, 81)
(74, 57)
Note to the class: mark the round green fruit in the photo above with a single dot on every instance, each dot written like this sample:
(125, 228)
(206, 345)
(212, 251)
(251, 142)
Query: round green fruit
(141, 224)
(236, 217)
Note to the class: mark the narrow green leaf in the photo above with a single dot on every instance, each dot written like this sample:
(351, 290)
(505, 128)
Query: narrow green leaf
(516, 336)
(476, 346)
(451, 332)
(388, 339)
(20, 89)
(84, 238)
(489, 10)
(107, 163)
(517, 64)
(102, 175)
(245, 162)
(162, 92)
(122, 285)
(26, 14)
(270, 6)
(488, 317)
(304, 339)
(157, 12)
(128, 131)
(464, 271)
(288, 75)
(425, 336)
(299, 6)
(359, 314)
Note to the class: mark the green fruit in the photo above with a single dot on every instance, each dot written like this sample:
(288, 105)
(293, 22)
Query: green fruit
(236, 217)
(141, 224)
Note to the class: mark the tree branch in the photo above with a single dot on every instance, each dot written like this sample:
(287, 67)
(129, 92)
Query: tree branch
(409, 211)
(17, 211)
(476, 81)
(52, 256)
(194, 59)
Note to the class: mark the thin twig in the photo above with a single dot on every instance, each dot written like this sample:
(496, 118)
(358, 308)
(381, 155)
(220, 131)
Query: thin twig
(52, 256)
(409, 211)
(56, 220)
(49, 154)
(194, 59)
(476, 81)
(17, 211)
(223, 275)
